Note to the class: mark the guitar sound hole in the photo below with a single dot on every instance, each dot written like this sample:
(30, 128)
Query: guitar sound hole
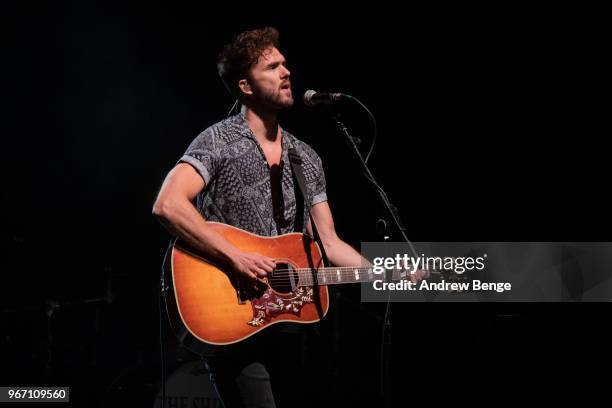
(284, 278)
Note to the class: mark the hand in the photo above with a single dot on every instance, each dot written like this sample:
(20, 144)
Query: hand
(417, 276)
(253, 265)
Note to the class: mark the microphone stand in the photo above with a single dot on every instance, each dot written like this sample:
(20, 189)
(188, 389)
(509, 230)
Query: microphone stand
(394, 216)
(391, 209)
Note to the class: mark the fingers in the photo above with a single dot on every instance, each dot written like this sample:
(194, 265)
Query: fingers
(252, 275)
(262, 265)
(254, 266)
(255, 273)
(265, 263)
(413, 277)
(417, 276)
(259, 266)
(260, 272)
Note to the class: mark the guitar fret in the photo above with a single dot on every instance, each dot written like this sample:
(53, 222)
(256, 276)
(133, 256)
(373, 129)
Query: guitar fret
(301, 274)
(330, 276)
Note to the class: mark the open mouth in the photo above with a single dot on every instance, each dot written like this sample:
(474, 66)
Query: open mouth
(286, 86)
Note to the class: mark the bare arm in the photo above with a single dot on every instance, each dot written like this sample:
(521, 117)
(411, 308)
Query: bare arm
(174, 209)
(339, 252)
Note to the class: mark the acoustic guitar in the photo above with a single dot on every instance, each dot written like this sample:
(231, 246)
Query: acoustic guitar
(210, 305)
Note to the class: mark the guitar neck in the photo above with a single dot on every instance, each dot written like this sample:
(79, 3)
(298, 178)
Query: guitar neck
(340, 275)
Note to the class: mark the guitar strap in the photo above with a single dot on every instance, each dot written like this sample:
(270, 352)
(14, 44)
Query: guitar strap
(296, 166)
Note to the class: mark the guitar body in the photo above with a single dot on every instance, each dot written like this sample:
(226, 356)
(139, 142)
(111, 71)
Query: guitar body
(208, 304)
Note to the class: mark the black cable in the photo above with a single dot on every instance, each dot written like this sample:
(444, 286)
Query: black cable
(232, 108)
(161, 349)
(373, 119)
(370, 177)
(386, 335)
(374, 137)
(386, 330)
(162, 291)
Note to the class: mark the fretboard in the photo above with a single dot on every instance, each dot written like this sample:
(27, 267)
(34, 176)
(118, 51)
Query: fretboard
(338, 275)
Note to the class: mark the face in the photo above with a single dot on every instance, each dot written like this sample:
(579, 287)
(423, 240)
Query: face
(268, 83)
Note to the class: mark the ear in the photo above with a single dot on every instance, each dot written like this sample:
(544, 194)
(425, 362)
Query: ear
(245, 87)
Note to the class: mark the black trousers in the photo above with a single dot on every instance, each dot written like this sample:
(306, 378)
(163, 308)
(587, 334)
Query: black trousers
(273, 368)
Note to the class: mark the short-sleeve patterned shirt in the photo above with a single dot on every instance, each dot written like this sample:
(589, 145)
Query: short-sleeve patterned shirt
(238, 179)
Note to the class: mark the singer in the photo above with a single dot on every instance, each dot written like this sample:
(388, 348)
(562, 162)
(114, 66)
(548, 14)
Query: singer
(239, 172)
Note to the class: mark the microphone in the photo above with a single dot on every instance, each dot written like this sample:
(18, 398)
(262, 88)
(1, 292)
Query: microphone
(313, 98)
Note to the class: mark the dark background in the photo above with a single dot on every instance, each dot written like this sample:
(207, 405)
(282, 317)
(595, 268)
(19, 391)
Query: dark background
(489, 126)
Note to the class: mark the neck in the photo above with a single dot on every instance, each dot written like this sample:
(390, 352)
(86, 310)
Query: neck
(336, 275)
(263, 123)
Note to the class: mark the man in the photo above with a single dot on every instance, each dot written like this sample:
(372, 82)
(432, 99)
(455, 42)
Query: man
(239, 172)
(250, 150)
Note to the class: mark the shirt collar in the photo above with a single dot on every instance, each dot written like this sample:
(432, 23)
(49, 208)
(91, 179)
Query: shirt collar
(245, 130)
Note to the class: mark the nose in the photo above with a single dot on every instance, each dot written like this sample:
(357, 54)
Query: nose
(285, 72)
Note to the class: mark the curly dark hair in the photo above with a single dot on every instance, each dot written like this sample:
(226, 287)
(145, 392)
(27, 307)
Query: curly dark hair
(240, 55)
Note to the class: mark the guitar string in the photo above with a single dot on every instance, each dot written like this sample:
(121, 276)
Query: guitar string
(330, 270)
(283, 273)
(331, 278)
(307, 274)
(310, 282)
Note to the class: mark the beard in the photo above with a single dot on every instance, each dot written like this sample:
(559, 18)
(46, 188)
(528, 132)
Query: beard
(276, 99)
